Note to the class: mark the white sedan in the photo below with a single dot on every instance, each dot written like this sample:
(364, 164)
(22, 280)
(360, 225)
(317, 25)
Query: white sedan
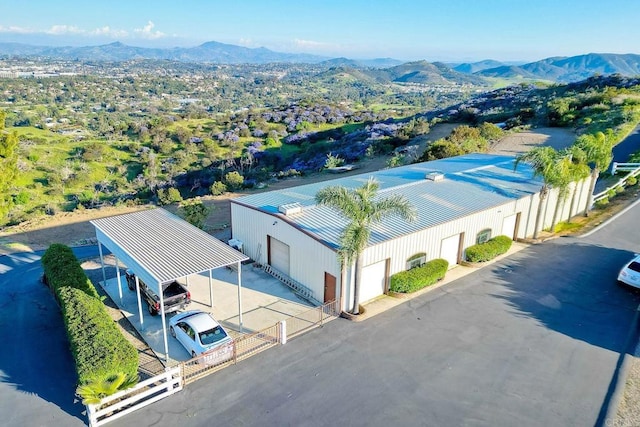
(199, 333)
(630, 273)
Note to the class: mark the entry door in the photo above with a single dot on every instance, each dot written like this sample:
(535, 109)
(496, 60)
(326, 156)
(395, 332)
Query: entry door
(449, 249)
(509, 226)
(279, 255)
(329, 287)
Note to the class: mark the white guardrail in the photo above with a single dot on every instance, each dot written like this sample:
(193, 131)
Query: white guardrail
(632, 168)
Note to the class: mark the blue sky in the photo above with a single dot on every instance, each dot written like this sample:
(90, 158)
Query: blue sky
(446, 30)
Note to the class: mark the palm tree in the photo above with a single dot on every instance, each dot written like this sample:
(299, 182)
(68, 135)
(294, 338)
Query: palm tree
(568, 167)
(362, 208)
(580, 170)
(543, 161)
(598, 149)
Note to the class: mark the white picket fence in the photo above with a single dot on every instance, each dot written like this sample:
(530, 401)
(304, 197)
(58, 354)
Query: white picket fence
(144, 393)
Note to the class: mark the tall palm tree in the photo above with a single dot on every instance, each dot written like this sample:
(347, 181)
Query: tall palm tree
(543, 161)
(569, 167)
(363, 209)
(598, 149)
(580, 171)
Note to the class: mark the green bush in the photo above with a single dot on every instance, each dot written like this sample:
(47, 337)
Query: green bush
(218, 188)
(98, 347)
(488, 250)
(62, 269)
(168, 196)
(234, 180)
(632, 180)
(419, 277)
(194, 212)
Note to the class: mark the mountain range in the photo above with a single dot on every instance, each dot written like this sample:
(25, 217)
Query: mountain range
(555, 69)
(559, 69)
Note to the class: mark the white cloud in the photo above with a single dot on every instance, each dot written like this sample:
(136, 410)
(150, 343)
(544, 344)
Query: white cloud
(147, 32)
(247, 42)
(310, 44)
(64, 29)
(16, 30)
(107, 31)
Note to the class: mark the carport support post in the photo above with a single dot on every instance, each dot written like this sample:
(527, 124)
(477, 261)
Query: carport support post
(164, 324)
(211, 287)
(240, 294)
(139, 303)
(104, 275)
(118, 276)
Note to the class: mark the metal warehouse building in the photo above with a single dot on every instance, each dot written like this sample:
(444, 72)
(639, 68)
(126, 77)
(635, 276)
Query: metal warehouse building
(460, 201)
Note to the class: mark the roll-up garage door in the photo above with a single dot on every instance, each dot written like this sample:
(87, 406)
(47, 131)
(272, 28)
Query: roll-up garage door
(373, 280)
(279, 255)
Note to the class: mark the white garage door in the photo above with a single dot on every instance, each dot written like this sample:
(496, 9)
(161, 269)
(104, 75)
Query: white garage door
(279, 255)
(509, 226)
(373, 280)
(449, 249)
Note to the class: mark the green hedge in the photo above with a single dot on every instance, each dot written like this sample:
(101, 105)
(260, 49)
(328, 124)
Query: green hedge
(62, 269)
(488, 250)
(419, 277)
(99, 348)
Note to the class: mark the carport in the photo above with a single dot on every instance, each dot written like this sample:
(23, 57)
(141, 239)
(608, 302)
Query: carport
(160, 248)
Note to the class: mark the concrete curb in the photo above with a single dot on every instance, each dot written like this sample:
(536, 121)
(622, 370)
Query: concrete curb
(610, 220)
(612, 400)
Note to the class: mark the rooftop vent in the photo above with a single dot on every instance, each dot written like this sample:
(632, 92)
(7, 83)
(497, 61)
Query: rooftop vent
(290, 209)
(434, 176)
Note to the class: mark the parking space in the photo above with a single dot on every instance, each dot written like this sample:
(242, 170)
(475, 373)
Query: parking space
(265, 301)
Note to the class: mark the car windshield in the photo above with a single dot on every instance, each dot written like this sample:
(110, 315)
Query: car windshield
(212, 336)
(635, 266)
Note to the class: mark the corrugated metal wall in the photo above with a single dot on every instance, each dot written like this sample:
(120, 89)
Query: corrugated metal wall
(309, 259)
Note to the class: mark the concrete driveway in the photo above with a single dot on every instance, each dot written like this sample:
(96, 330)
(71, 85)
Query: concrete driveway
(535, 339)
(265, 301)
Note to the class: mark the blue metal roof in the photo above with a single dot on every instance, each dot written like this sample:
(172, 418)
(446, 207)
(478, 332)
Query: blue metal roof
(472, 183)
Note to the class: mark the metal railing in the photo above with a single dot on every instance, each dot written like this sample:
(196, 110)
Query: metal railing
(307, 320)
(300, 289)
(239, 349)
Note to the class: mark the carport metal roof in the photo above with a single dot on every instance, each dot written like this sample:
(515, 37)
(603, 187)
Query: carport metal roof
(160, 248)
(166, 246)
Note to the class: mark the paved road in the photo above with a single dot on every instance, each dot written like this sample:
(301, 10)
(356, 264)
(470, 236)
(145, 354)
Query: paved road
(533, 340)
(627, 146)
(621, 153)
(37, 376)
